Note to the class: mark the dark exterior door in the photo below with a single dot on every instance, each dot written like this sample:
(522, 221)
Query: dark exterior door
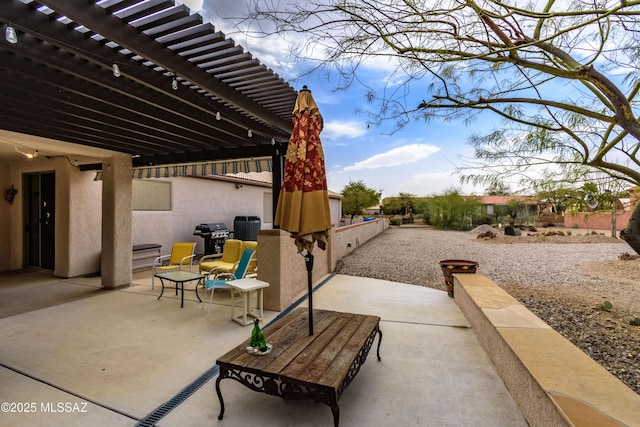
(40, 220)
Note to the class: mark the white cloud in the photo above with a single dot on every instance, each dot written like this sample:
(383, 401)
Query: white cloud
(434, 183)
(391, 183)
(398, 156)
(334, 130)
(192, 4)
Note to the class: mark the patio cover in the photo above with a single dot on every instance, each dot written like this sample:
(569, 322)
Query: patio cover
(58, 82)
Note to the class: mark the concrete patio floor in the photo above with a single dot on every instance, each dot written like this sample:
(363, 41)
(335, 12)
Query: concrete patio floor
(72, 354)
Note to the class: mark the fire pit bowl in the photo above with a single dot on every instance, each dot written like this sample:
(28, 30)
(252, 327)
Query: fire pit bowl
(456, 266)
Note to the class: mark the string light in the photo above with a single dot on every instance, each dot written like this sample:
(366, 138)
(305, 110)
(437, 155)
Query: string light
(218, 115)
(116, 70)
(10, 34)
(27, 154)
(249, 134)
(174, 83)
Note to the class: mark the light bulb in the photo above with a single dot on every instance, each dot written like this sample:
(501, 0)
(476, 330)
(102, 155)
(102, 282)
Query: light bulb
(174, 84)
(10, 34)
(116, 70)
(249, 134)
(218, 115)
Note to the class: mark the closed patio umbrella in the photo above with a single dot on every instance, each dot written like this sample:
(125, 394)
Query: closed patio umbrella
(303, 204)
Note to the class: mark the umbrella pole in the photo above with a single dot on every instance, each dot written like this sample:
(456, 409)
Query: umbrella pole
(308, 260)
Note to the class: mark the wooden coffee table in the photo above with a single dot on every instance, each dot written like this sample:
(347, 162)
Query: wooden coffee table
(301, 366)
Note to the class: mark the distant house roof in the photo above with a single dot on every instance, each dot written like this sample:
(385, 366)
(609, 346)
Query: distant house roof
(504, 200)
(624, 203)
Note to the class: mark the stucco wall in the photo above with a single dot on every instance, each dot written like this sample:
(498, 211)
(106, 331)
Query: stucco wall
(284, 268)
(350, 237)
(77, 215)
(79, 211)
(596, 220)
(78, 227)
(5, 219)
(85, 234)
(198, 201)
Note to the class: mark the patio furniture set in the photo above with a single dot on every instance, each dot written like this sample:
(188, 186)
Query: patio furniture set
(300, 364)
(234, 269)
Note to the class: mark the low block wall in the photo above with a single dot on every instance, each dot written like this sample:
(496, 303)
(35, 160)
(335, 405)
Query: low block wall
(284, 268)
(597, 220)
(553, 382)
(348, 238)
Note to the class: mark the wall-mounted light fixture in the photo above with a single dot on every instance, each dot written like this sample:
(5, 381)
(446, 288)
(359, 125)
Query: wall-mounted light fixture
(10, 194)
(27, 154)
(10, 34)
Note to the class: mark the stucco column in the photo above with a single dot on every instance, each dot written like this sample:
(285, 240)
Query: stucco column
(116, 222)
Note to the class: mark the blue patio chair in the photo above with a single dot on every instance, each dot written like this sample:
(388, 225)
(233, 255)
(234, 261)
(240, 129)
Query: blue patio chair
(221, 279)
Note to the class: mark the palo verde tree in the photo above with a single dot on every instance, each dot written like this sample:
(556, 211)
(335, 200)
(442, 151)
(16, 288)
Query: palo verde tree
(451, 210)
(356, 197)
(407, 201)
(497, 188)
(402, 204)
(554, 197)
(562, 75)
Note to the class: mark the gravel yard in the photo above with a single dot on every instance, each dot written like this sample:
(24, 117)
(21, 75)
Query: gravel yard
(562, 279)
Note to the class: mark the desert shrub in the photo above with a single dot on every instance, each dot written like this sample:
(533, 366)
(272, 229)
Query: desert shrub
(396, 220)
(483, 219)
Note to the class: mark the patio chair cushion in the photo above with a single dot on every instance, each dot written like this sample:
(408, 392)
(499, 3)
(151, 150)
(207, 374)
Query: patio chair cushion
(220, 280)
(250, 244)
(231, 253)
(182, 251)
(181, 258)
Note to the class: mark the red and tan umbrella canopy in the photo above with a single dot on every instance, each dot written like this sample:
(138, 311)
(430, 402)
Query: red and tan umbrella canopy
(303, 204)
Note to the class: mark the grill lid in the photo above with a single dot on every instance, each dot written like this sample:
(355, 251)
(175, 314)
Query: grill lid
(215, 229)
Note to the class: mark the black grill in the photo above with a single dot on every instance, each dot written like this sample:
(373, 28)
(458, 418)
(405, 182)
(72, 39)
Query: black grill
(214, 235)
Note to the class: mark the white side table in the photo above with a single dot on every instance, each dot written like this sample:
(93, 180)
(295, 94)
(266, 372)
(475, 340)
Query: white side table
(245, 287)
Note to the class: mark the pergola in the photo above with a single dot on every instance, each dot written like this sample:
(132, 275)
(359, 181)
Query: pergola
(143, 77)
(146, 79)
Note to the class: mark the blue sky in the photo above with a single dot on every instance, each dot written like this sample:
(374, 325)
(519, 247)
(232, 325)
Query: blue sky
(418, 159)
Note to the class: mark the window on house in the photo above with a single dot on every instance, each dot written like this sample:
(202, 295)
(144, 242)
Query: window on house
(151, 195)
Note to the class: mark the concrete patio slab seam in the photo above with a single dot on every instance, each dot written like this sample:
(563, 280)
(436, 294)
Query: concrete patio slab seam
(69, 392)
(164, 409)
